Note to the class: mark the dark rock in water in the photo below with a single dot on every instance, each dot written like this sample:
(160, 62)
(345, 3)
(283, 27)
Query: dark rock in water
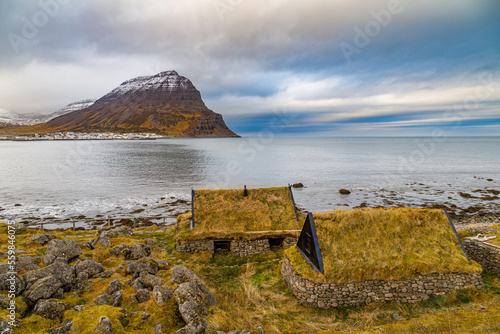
(104, 326)
(298, 185)
(490, 180)
(344, 191)
(50, 309)
(17, 204)
(143, 295)
(43, 239)
(465, 195)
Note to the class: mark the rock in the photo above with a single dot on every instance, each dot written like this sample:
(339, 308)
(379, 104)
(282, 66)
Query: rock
(137, 285)
(162, 264)
(260, 330)
(7, 281)
(181, 274)
(147, 264)
(157, 329)
(114, 286)
(104, 326)
(298, 185)
(344, 191)
(143, 295)
(104, 274)
(60, 270)
(145, 316)
(49, 259)
(88, 267)
(150, 242)
(81, 277)
(43, 239)
(102, 300)
(59, 294)
(27, 263)
(190, 300)
(50, 309)
(161, 294)
(133, 299)
(122, 230)
(135, 252)
(105, 242)
(150, 281)
(116, 298)
(197, 326)
(43, 288)
(66, 327)
(20, 227)
(67, 249)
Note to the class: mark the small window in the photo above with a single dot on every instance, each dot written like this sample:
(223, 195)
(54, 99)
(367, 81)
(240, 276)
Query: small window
(276, 242)
(222, 246)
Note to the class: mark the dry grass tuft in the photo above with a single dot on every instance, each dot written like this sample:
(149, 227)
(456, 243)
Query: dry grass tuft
(383, 244)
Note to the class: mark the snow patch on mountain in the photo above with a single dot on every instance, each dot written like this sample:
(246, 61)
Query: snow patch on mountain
(163, 81)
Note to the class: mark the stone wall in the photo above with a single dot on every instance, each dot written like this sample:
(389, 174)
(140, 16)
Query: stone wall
(237, 247)
(249, 247)
(488, 256)
(326, 295)
(195, 246)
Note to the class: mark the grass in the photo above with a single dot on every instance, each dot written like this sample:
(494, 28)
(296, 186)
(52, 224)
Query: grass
(251, 294)
(383, 244)
(230, 214)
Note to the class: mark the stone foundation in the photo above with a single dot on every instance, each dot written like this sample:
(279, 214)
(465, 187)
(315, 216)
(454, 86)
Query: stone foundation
(326, 295)
(487, 255)
(237, 247)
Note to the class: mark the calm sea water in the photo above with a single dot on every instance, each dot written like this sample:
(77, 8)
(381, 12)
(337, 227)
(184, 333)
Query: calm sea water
(70, 178)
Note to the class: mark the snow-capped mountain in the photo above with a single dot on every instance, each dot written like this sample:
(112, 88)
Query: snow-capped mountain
(69, 108)
(8, 117)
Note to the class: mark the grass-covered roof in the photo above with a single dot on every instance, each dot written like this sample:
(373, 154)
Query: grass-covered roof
(227, 213)
(383, 244)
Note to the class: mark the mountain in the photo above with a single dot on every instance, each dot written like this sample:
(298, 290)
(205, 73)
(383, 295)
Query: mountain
(9, 118)
(69, 108)
(165, 103)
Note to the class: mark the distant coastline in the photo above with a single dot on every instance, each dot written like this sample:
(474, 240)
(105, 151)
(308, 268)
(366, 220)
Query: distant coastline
(85, 136)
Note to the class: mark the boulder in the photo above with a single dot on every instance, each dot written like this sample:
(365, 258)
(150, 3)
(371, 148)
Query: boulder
(67, 249)
(49, 308)
(66, 327)
(43, 239)
(298, 185)
(60, 270)
(88, 267)
(137, 285)
(116, 298)
(197, 326)
(43, 288)
(7, 281)
(161, 294)
(143, 295)
(102, 300)
(150, 242)
(104, 326)
(181, 274)
(114, 286)
(344, 191)
(157, 328)
(122, 230)
(147, 264)
(105, 242)
(135, 252)
(162, 264)
(27, 263)
(104, 274)
(150, 281)
(190, 300)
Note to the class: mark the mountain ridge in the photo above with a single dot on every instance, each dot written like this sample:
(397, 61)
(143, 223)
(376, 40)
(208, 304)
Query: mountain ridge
(165, 103)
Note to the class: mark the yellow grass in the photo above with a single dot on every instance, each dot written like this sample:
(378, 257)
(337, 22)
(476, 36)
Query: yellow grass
(383, 244)
(227, 213)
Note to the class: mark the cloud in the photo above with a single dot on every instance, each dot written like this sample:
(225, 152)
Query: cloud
(252, 57)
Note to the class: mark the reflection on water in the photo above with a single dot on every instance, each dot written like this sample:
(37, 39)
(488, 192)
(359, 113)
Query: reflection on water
(93, 177)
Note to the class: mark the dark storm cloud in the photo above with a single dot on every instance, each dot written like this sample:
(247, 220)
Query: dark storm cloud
(327, 61)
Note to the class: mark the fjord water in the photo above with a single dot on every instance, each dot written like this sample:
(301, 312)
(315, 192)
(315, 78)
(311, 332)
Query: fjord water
(68, 178)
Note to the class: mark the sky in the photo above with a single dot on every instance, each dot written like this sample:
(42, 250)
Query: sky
(315, 67)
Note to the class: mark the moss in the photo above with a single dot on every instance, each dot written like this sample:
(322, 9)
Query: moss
(383, 244)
